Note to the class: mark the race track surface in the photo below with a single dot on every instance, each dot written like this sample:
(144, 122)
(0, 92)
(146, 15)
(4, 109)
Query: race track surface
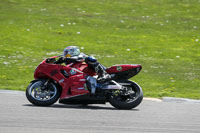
(17, 115)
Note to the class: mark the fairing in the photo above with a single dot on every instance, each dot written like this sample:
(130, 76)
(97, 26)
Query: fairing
(74, 84)
(124, 71)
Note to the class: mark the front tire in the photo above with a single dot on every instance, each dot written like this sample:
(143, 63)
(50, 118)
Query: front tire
(119, 100)
(39, 94)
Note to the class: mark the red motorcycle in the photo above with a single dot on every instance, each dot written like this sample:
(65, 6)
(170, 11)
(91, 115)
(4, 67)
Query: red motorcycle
(69, 84)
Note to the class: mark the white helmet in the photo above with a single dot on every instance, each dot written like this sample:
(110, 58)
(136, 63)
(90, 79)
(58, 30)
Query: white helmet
(71, 51)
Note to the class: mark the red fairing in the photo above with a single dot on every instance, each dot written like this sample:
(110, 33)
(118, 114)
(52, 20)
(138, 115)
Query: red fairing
(121, 68)
(73, 85)
(73, 82)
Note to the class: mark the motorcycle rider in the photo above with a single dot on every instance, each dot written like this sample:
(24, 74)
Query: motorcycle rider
(72, 54)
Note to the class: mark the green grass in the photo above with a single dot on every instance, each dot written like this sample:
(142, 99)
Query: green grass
(162, 35)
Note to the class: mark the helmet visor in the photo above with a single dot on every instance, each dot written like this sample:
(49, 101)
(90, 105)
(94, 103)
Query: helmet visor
(76, 52)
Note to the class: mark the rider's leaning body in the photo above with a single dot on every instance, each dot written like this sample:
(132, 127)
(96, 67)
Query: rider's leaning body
(72, 54)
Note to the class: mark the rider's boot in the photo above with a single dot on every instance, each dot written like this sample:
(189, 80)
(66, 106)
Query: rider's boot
(103, 75)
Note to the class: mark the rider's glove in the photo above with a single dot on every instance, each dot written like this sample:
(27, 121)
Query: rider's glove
(60, 60)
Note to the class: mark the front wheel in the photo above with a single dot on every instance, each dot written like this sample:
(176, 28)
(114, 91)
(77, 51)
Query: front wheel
(42, 93)
(129, 97)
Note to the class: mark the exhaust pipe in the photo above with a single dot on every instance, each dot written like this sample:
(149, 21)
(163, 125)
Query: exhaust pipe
(113, 87)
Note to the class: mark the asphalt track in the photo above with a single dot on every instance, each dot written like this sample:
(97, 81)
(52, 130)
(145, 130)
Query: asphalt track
(17, 115)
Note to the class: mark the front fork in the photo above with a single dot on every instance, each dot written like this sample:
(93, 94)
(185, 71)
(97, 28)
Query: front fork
(44, 84)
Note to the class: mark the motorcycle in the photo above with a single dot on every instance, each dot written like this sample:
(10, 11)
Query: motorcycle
(69, 84)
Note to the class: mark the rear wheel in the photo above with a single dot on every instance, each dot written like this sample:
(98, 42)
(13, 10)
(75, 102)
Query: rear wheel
(129, 97)
(42, 95)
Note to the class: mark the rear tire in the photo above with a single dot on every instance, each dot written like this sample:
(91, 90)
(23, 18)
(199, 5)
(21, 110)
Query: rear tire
(45, 97)
(120, 102)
